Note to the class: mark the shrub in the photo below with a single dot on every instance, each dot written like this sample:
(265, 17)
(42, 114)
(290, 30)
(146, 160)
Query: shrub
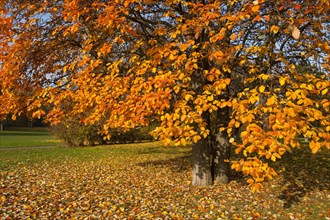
(74, 133)
(138, 134)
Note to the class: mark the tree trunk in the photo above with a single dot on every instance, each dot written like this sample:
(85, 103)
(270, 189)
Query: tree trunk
(221, 153)
(201, 163)
(1, 126)
(221, 148)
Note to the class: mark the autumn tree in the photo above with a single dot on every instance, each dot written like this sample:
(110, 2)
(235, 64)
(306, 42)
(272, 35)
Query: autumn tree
(203, 70)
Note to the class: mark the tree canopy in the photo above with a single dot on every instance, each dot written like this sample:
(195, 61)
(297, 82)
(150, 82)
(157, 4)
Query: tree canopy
(253, 75)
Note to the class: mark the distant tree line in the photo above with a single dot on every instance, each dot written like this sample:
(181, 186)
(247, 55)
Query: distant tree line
(22, 121)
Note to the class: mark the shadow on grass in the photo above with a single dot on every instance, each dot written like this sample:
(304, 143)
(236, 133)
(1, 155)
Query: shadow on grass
(178, 164)
(162, 150)
(302, 173)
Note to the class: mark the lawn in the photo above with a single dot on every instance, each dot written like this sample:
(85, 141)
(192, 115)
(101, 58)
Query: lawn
(149, 181)
(27, 137)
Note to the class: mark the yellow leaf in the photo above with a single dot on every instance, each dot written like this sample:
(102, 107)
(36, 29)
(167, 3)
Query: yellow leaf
(273, 158)
(315, 146)
(231, 140)
(183, 117)
(233, 37)
(274, 29)
(172, 57)
(181, 76)
(264, 76)
(227, 81)
(183, 47)
(324, 91)
(281, 150)
(183, 142)
(210, 98)
(176, 89)
(250, 181)
(214, 108)
(237, 150)
(231, 123)
(256, 187)
(187, 97)
(218, 54)
(255, 8)
(210, 78)
(242, 62)
(196, 138)
(282, 81)
(262, 89)
(259, 180)
(271, 100)
(167, 141)
(277, 155)
(291, 112)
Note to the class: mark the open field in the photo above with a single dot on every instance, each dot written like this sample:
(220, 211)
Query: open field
(26, 137)
(149, 181)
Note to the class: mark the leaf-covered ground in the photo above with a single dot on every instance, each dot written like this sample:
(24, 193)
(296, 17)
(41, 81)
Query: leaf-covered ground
(148, 181)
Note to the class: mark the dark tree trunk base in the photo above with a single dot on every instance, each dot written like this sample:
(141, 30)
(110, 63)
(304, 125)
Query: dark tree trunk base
(201, 172)
(221, 153)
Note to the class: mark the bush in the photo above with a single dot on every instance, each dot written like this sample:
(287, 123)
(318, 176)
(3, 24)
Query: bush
(75, 133)
(136, 134)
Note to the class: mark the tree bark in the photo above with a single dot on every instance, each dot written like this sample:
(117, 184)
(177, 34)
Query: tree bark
(221, 149)
(201, 172)
(221, 153)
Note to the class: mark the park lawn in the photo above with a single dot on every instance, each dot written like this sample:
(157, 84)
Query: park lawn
(27, 137)
(149, 181)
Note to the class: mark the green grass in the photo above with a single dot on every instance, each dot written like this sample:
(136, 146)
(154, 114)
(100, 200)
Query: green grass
(26, 137)
(149, 181)
(11, 159)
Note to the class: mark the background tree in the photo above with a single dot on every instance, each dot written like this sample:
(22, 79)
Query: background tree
(202, 69)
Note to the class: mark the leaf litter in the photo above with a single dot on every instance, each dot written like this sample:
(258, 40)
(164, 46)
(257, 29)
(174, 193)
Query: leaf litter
(131, 183)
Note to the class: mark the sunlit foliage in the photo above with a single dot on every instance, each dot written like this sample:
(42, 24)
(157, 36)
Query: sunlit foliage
(201, 69)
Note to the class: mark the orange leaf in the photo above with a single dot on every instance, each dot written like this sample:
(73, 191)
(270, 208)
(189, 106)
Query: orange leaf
(233, 37)
(266, 17)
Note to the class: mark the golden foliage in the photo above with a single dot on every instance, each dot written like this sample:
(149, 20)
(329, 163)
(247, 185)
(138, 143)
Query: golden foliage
(126, 64)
